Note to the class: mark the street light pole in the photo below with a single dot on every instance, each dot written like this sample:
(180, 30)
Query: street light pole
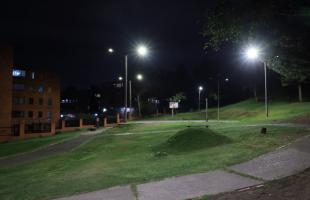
(125, 96)
(218, 99)
(199, 91)
(130, 99)
(253, 53)
(266, 90)
(206, 109)
(142, 51)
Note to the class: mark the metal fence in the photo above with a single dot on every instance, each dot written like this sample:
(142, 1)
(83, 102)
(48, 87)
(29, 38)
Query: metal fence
(37, 128)
(72, 123)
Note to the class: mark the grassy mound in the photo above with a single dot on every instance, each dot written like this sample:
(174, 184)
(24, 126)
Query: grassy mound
(192, 139)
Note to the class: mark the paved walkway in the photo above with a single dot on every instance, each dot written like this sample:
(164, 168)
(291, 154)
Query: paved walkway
(49, 150)
(275, 165)
(175, 121)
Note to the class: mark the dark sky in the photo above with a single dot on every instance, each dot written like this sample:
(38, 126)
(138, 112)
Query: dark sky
(71, 37)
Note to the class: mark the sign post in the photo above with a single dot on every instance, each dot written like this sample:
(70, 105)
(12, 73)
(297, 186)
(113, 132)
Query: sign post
(173, 105)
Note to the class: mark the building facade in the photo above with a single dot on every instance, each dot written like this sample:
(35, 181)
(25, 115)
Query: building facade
(26, 95)
(6, 80)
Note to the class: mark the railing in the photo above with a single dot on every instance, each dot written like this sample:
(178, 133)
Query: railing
(7, 131)
(87, 122)
(37, 128)
(72, 123)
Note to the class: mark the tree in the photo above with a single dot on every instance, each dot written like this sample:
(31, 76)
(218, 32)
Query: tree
(265, 20)
(178, 97)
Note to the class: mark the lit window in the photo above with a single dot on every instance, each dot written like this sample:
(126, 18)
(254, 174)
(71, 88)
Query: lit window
(32, 75)
(41, 89)
(19, 73)
(49, 115)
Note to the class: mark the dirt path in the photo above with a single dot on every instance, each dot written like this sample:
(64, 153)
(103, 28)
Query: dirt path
(49, 150)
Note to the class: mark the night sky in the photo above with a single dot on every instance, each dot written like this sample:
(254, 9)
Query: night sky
(72, 37)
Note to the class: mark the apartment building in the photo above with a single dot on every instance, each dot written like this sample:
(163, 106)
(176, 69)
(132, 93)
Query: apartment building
(26, 95)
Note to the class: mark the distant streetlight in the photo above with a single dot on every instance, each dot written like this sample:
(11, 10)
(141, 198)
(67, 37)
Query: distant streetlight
(254, 53)
(200, 88)
(218, 96)
(111, 50)
(142, 51)
(120, 78)
(139, 77)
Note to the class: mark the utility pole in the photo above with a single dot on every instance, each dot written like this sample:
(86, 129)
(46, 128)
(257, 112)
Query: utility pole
(139, 106)
(130, 99)
(266, 90)
(206, 109)
(218, 99)
(125, 96)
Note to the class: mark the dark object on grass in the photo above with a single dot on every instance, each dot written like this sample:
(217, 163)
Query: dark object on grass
(263, 130)
(92, 129)
(161, 154)
(207, 126)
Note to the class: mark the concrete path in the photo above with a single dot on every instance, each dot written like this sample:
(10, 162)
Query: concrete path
(115, 193)
(175, 121)
(275, 165)
(278, 164)
(195, 185)
(49, 150)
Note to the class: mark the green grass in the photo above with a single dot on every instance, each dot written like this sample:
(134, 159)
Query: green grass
(248, 111)
(111, 159)
(22, 146)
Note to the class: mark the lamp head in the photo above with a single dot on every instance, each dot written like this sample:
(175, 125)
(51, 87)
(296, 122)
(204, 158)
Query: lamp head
(110, 50)
(142, 50)
(252, 53)
(139, 77)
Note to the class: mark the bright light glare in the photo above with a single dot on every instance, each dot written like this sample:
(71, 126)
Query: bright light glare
(252, 53)
(200, 88)
(142, 50)
(226, 79)
(120, 78)
(139, 77)
(111, 50)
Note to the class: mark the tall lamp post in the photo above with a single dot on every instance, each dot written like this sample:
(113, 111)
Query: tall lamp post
(141, 51)
(218, 96)
(253, 53)
(200, 88)
(139, 78)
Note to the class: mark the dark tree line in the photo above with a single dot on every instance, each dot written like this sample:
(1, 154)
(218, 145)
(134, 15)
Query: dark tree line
(280, 27)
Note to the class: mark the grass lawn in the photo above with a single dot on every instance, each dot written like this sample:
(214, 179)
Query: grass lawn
(112, 159)
(248, 111)
(22, 146)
